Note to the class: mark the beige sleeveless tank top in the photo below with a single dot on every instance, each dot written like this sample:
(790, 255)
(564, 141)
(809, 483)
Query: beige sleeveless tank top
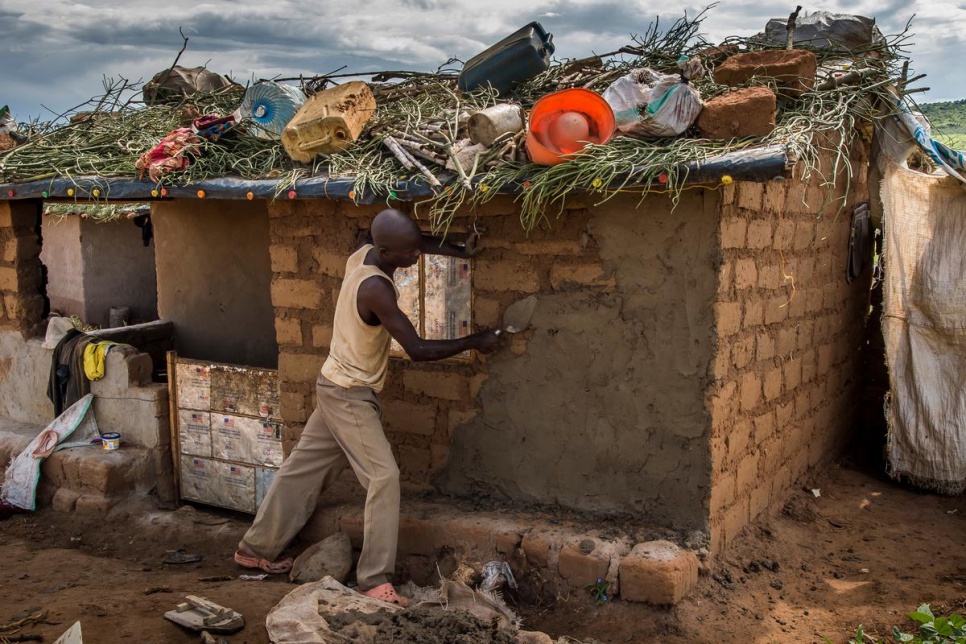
(359, 355)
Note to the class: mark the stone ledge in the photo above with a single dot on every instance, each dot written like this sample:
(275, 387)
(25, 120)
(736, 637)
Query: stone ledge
(658, 572)
(87, 479)
(558, 556)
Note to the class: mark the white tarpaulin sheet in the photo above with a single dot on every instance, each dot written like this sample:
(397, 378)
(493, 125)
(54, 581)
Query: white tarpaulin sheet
(924, 325)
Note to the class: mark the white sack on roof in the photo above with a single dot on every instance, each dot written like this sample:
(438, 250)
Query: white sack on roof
(924, 326)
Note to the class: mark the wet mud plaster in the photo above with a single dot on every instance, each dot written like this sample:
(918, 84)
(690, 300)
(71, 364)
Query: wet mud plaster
(604, 411)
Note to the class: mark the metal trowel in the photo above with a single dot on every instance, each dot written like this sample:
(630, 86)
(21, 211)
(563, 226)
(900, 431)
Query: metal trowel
(517, 316)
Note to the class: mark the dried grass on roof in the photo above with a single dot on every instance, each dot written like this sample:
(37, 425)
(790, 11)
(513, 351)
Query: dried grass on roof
(108, 141)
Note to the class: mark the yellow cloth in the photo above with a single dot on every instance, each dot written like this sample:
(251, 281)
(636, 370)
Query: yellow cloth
(95, 354)
(359, 355)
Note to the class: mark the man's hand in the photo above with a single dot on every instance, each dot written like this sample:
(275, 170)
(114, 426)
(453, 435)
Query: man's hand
(486, 341)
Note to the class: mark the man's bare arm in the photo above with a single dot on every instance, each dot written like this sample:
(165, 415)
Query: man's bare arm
(376, 297)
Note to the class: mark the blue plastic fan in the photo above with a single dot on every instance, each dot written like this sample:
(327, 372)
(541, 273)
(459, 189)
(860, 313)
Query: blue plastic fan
(270, 106)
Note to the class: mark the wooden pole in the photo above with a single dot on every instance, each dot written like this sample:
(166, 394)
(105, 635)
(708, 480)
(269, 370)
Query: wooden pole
(790, 28)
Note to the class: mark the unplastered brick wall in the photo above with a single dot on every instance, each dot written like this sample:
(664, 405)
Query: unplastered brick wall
(423, 403)
(20, 269)
(789, 329)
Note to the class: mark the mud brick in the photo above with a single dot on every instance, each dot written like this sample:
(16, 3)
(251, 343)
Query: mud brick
(776, 309)
(721, 364)
(563, 276)
(738, 439)
(745, 112)
(723, 402)
(764, 427)
(773, 384)
(742, 352)
(94, 504)
(728, 318)
(759, 234)
(774, 201)
(459, 417)
(20, 249)
(771, 276)
(804, 234)
(295, 407)
(722, 492)
(414, 462)
(754, 313)
(65, 500)
(537, 547)
(733, 232)
(288, 331)
(18, 214)
(580, 569)
(747, 473)
(806, 333)
(439, 456)
(750, 391)
(285, 259)
(728, 194)
(402, 416)
(299, 367)
(750, 195)
(329, 263)
(505, 276)
(436, 384)
(8, 279)
(487, 312)
(734, 520)
(746, 274)
(784, 235)
(476, 384)
(764, 346)
(792, 373)
(659, 573)
(549, 247)
(825, 356)
(321, 335)
(296, 294)
(760, 497)
(793, 69)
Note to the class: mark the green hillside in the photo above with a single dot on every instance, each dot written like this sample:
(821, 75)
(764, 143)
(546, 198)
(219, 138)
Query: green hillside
(948, 121)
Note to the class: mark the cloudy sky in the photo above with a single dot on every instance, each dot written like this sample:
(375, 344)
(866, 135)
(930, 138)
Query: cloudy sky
(55, 53)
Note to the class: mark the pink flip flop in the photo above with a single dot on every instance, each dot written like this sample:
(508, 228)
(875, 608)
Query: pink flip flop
(277, 567)
(388, 594)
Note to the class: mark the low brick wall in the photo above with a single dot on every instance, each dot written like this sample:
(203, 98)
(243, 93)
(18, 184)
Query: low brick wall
(21, 274)
(789, 329)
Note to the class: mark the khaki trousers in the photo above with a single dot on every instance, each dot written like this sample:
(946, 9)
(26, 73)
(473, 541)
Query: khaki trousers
(345, 428)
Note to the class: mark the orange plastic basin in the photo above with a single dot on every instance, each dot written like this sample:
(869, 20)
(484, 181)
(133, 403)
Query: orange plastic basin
(563, 123)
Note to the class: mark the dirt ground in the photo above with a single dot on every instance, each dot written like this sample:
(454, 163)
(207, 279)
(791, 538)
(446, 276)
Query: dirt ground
(866, 551)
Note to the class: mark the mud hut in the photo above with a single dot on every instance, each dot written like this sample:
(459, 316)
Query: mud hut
(694, 349)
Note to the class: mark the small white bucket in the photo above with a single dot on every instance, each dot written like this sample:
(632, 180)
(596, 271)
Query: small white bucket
(111, 441)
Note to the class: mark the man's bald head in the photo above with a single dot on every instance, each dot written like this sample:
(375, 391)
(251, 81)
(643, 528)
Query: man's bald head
(397, 237)
(392, 226)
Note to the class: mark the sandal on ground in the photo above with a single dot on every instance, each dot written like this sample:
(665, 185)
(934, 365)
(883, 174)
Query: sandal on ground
(388, 594)
(180, 556)
(277, 567)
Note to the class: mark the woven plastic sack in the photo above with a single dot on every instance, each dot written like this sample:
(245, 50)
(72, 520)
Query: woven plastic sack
(23, 474)
(822, 29)
(649, 104)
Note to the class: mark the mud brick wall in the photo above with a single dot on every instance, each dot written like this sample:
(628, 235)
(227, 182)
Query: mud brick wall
(21, 272)
(789, 329)
(600, 406)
